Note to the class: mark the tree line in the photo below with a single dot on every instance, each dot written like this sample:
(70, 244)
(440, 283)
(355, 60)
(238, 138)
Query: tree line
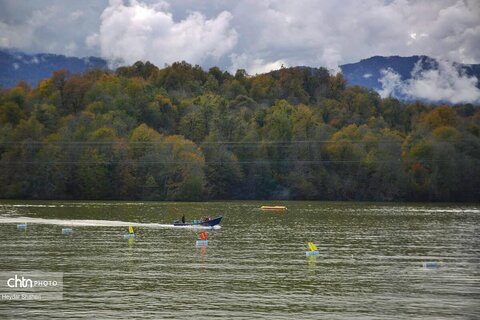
(184, 133)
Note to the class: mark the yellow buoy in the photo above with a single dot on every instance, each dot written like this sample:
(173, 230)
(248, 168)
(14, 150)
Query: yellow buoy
(313, 250)
(273, 208)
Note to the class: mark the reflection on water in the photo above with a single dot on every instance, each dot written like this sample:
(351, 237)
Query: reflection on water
(373, 263)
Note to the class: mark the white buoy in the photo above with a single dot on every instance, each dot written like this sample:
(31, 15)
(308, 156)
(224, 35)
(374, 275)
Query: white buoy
(67, 230)
(313, 253)
(201, 243)
(129, 235)
(431, 265)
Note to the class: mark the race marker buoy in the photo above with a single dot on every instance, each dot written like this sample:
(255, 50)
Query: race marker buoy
(431, 265)
(67, 230)
(22, 226)
(130, 233)
(313, 250)
(203, 241)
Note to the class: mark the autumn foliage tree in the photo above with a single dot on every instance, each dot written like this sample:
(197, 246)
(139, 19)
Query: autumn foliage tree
(182, 133)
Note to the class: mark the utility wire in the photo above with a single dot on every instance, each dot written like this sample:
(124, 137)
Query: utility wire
(142, 162)
(152, 143)
(202, 143)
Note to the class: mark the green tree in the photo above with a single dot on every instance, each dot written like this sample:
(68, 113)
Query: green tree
(11, 113)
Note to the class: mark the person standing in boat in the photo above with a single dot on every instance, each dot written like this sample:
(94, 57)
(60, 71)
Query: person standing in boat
(183, 218)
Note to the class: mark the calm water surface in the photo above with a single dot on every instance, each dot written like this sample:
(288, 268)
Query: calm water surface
(370, 264)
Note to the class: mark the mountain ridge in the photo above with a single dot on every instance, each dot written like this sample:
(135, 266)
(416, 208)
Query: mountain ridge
(389, 75)
(367, 72)
(18, 66)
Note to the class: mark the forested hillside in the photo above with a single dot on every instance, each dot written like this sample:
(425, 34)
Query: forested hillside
(182, 133)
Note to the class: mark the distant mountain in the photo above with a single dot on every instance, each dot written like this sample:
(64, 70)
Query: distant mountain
(406, 78)
(16, 66)
(368, 72)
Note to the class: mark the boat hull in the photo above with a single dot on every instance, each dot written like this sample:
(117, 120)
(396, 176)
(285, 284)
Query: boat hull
(209, 223)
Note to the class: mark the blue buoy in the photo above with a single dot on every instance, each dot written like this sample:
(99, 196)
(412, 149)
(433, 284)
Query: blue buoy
(67, 230)
(129, 235)
(431, 265)
(201, 243)
(312, 253)
(21, 226)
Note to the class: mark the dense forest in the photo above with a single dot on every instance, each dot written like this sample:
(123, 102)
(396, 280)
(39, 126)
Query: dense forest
(183, 133)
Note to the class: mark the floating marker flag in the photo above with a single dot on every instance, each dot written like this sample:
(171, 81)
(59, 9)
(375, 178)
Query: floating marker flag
(130, 233)
(202, 242)
(313, 250)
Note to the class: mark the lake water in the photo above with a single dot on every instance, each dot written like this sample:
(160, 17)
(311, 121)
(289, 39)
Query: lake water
(370, 264)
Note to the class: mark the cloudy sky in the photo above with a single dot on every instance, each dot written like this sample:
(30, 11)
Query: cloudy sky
(257, 35)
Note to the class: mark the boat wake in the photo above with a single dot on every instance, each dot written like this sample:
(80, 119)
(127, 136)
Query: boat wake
(97, 223)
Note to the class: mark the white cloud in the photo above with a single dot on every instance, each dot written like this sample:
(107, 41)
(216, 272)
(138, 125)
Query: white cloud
(70, 48)
(254, 66)
(268, 32)
(448, 82)
(147, 32)
(331, 58)
(49, 26)
(75, 15)
(22, 36)
(329, 33)
(391, 83)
